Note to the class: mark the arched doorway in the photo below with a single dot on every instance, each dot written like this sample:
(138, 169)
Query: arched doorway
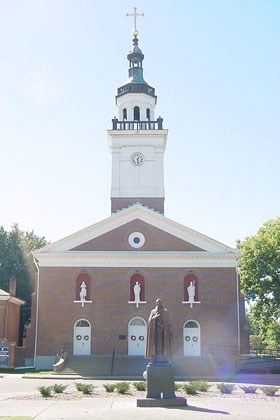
(137, 337)
(82, 337)
(191, 338)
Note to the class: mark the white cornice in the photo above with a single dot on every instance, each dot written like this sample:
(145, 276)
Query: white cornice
(12, 299)
(137, 211)
(141, 138)
(136, 259)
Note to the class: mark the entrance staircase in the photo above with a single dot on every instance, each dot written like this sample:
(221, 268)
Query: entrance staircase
(132, 367)
(105, 366)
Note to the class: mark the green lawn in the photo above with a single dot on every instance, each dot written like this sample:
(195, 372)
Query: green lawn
(24, 371)
(16, 418)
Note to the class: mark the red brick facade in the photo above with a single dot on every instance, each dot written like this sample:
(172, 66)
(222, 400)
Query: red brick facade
(9, 320)
(219, 313)
(110, 313)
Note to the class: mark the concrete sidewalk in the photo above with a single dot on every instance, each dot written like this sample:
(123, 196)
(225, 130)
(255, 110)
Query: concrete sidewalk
(201, 408)
(114, 407)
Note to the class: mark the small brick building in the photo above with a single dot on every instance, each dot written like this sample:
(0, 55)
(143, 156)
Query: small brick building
(96, 288)
(10, 354)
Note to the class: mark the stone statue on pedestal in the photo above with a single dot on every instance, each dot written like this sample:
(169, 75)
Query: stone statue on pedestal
(159, 337)
(191, 292)
(160, 372)
(137, 290)
(83, 292)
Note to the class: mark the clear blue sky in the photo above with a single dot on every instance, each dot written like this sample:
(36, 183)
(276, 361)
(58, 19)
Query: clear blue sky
(215, 65)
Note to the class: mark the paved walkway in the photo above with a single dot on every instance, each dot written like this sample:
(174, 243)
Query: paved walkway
(116, 408)
(120, 409)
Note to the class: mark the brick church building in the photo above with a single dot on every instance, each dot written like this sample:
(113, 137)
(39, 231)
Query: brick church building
(96, 288)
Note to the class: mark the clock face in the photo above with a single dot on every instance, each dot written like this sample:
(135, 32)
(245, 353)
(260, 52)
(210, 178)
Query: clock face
(137, 158)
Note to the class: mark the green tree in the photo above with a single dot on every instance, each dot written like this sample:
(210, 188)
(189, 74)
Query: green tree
(260, 279)
(16, 260)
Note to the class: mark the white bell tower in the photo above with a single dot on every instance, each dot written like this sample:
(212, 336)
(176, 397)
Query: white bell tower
(137, 140)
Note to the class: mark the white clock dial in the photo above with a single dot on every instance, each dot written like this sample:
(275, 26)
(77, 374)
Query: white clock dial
(137, 158)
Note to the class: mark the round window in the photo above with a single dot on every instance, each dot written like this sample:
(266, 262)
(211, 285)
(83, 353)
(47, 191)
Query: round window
(136, 239)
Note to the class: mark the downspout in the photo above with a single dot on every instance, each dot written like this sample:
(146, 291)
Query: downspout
(238, 308)
(6, 317)
(37, 310)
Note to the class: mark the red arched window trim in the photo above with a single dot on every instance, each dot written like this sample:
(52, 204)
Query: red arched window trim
(82, 277)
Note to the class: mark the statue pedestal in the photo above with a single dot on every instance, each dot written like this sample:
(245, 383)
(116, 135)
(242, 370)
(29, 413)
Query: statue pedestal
(160, 387)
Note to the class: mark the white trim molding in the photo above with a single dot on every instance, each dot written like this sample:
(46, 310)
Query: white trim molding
(135, 258)
(191, 303)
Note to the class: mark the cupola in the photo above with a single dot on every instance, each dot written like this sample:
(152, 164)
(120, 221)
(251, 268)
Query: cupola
(135, 82)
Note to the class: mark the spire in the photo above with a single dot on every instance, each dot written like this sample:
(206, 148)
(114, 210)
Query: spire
(135, 59)
(135, 82)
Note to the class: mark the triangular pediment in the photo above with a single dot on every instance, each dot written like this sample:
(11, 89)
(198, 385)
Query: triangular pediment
(119, 239)
(161, 234)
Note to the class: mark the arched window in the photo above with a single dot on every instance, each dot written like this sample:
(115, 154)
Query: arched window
(137, 288)
(137, 321)
(190, 278)
(82, 323)
(83, 277)
(191, 324)
(148, 114)
(124, 114)
(136, 113)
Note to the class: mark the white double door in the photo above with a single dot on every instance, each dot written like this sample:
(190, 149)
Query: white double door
(82, 338)
(137, 337)
(191, 339)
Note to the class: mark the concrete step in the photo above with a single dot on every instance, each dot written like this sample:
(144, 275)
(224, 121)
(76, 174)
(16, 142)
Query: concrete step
(133, 366)
(87, 365)
(255, 364)
(194, 367)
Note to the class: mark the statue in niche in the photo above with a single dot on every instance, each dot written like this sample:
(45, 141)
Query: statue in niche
(83, 292)
(159, 336)
(137, 290)
(191, 292)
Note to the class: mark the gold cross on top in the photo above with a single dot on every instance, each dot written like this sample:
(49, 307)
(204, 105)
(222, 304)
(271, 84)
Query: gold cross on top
(135, 15)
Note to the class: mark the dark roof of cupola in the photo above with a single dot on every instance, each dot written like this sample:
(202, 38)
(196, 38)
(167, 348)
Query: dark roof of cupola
(135, 82)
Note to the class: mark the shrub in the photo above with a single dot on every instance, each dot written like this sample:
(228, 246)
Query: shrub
(140, 386)
(226, 388)
(109, 387)
(250, 389)
(58, 388)
(201, 386)
(79, 386)
(269, 391)
(86, 389)
(122, 387)
(45, 391)
(190, 388)
(177, 386)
